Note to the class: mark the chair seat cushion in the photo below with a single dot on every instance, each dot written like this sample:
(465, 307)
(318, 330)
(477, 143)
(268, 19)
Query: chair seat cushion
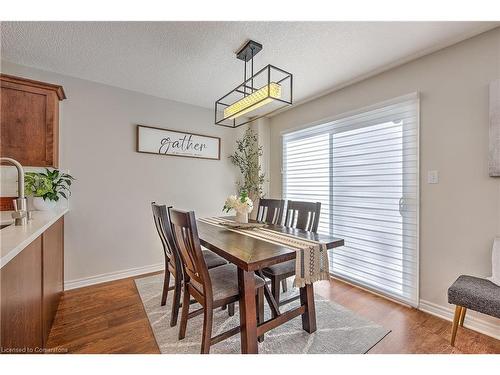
(281, 269)
(225, 282)
(476, 294)
(213, 260)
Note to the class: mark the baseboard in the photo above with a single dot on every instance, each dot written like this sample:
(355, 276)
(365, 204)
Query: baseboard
(98, 279)
(472, 322)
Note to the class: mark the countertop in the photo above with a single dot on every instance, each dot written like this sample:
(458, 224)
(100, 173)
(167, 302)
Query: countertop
(13, 239)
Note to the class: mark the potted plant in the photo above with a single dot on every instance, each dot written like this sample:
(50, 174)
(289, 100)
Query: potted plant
(47, 187)
(246, 158)
(242, 204)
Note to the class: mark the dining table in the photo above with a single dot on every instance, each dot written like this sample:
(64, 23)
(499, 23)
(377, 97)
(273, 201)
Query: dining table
(250, 255)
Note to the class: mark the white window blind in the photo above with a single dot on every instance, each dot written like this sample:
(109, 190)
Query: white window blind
(363, 168)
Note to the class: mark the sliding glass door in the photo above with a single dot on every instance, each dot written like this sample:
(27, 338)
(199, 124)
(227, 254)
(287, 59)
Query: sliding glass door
(363, 168)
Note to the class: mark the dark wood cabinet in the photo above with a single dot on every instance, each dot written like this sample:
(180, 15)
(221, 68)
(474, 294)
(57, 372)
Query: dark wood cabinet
(21, 299)
(31, 286)
(29, 121)
(53, 273)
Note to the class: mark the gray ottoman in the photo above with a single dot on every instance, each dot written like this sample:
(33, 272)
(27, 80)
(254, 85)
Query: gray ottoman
(469, 292)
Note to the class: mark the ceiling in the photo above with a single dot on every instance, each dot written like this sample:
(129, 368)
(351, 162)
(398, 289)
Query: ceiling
(194, 62)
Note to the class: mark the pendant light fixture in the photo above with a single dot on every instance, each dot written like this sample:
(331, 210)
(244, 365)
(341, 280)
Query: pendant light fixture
(259, 95)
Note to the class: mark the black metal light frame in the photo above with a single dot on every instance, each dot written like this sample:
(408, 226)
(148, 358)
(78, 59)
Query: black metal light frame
(246, 53)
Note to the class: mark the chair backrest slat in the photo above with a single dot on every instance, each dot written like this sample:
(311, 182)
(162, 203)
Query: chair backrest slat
(163, 227)
(188, 242)
(303, 215)
(271, 211)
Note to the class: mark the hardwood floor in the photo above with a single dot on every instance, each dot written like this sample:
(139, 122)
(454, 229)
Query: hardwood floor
(105, 318)
(412, 331)
(110, 318)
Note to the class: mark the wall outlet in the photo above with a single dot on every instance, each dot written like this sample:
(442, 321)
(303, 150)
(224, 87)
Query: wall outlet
(432, 177)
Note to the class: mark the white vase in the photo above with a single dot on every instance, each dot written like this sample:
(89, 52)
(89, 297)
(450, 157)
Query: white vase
(242, 217)
(43, 205)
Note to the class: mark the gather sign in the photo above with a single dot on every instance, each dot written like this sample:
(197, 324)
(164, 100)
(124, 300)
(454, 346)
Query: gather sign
(161, 141)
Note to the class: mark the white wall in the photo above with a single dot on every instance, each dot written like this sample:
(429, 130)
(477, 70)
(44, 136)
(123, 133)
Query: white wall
(460, 216)
(109, 228)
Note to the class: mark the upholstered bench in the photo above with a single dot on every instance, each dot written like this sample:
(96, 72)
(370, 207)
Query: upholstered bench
(469, 292)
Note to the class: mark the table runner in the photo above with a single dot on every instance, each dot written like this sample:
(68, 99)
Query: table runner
(311, 261)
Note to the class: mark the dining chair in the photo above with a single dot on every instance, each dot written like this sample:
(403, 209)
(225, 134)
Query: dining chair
(173, 265)
(303, 215)
(212, 288)
(300, 215)
(270, 211)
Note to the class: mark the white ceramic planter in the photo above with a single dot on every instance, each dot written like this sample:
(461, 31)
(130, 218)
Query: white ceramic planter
(43, 205)
(242, 217)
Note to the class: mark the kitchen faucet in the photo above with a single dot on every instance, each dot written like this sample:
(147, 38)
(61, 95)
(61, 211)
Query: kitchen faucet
(19, 214)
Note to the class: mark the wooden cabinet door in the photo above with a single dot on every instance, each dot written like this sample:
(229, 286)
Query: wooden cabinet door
(53, 273)
(21, 301)
(29, 121)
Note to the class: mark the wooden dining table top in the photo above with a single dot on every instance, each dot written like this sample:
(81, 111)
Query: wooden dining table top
(251, 254)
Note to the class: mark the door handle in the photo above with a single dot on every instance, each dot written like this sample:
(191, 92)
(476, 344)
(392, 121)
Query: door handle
(402, 206)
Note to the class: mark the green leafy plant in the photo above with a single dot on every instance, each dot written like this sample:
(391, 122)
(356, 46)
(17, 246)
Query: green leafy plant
(49, 185)
(246, 158)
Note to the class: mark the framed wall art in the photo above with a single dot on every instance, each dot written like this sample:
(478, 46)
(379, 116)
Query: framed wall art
(159, 141)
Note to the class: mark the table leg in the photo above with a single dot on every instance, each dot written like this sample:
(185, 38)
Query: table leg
(275, 309)
(248, 312)
(309, 316)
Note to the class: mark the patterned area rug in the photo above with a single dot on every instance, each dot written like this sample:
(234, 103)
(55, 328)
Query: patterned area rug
(339, 330)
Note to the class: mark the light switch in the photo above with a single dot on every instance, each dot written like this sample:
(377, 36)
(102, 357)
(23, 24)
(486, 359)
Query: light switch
(432, 177)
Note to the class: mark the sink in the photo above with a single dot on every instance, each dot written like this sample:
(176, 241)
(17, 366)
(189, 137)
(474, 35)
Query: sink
(6, 219)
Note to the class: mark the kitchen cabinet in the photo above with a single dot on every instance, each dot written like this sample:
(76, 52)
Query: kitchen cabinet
(31, 287)
(29, 121)
(21, 301)
(53, 273)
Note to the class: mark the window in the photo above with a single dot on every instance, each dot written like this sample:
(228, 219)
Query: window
(363, 168)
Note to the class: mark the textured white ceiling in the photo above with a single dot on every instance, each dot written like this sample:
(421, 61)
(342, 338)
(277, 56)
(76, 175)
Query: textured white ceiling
(194, 62)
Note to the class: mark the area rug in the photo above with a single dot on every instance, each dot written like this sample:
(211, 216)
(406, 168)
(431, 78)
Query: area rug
(339, 329)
